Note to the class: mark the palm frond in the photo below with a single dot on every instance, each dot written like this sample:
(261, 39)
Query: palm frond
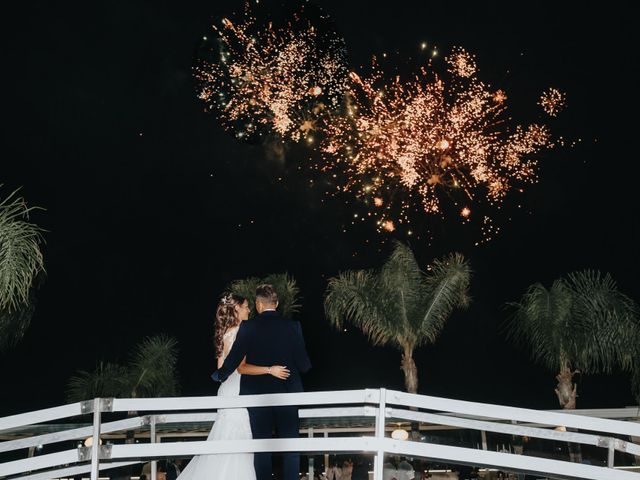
(401, 288)
(152, 369)
(399, 304)
(20, 256)
(354, 296)
(107, 380)
(447, 289)
(284, 284)
(583, 322)
(606, 322)
(539, 323)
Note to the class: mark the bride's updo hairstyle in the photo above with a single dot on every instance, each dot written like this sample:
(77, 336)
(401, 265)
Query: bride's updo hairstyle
(226, 317)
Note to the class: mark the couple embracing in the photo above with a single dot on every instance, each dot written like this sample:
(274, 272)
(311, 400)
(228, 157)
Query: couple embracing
(263, 355)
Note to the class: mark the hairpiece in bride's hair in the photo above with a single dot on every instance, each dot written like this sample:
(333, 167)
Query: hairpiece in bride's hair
(227, 299)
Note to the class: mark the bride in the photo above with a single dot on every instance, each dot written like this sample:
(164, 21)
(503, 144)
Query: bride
(233, 423)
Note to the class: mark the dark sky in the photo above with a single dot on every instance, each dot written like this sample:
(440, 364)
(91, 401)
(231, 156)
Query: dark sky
(149, 201)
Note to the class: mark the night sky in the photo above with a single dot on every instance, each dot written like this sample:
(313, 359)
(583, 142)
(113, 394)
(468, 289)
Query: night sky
(152, 208)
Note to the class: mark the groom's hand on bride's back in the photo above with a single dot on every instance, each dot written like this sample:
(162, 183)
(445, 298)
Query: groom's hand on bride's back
(279, 371)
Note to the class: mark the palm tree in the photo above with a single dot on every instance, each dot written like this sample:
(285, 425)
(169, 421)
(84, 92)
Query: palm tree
(14, 323)
(400, 305)
(151, 372)
(284, 284)
(21, 262)
(583, 323)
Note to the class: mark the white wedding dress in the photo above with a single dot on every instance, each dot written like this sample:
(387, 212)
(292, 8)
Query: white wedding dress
(231, 424)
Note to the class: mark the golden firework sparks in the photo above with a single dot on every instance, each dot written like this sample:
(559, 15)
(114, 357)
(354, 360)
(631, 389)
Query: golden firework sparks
(267, 77)
(431, 134)
(552, 101)
(388, 225)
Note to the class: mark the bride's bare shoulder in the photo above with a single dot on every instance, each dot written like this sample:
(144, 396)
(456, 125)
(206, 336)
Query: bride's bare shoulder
(230, 333)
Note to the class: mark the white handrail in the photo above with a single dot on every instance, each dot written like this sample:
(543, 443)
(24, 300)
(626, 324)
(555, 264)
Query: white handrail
(518, 430)
(245, 401)
(72, 434)
(513, 413)
(68, 472)
(39, 416)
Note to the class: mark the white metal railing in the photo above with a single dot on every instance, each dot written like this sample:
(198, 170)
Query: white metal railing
(381, 405)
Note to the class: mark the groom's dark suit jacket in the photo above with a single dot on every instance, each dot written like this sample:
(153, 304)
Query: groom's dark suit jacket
(268, 339)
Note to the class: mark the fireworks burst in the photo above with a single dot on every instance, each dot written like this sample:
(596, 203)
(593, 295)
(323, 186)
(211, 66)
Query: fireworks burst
(439, 142)
(428, 137)
(553, 101)
(267, 79)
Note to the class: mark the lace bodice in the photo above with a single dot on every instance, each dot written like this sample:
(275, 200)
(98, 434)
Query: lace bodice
(227, 341)
(231, 386)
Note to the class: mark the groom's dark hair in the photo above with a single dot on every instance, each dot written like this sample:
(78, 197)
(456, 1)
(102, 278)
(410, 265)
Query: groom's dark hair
(267, 294)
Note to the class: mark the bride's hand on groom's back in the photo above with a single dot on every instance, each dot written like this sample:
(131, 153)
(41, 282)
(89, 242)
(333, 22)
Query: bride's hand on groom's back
(279, 371)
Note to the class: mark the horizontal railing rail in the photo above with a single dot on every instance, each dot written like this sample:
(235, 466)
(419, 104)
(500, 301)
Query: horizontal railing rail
(457, 455)
(518, 430)
(513, 413)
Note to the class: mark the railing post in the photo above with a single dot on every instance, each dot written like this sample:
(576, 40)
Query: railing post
(326, 455)
(95, 446)
(154, 463)
(611, 453)
(381, 420)
(310, 469)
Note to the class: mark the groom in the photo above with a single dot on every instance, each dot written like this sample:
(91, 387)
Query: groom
(270, 339)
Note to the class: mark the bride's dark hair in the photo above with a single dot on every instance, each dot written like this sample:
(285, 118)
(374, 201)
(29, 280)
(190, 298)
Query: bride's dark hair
(226, 318)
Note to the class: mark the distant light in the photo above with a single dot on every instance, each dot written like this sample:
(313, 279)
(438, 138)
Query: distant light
(89, 442)
(423, 45)
(400, 434)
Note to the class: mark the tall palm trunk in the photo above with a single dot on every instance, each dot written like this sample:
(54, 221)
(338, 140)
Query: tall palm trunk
(410, 370)
(567, 392)
(408, 366)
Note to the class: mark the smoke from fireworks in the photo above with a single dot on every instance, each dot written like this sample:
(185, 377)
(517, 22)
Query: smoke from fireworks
(263, 79)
